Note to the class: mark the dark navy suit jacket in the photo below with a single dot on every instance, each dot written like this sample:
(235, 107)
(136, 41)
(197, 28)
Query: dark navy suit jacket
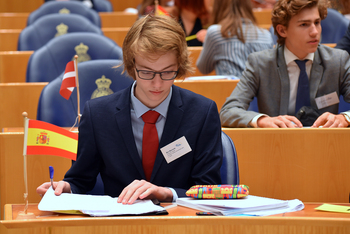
(107, 145)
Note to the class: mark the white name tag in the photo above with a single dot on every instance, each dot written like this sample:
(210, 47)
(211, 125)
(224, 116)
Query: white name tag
(327, 100)
(176, 149)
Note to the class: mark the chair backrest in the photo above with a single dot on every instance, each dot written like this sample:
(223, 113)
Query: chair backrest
(103, 6)
(48, 62)
(229, 169)
(94, 78)
(65, 7)
(334, 26)
(50, 26)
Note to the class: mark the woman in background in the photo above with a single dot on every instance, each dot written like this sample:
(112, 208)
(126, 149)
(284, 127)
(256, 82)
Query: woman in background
(147, 7)
(232, 37)
(193, 16)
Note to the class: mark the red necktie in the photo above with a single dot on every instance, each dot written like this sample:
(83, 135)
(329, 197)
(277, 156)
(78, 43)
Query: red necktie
(150, 142)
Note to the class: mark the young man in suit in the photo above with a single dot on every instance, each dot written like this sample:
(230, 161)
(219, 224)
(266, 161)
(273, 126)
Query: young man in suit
(273, 75)
(111, 137)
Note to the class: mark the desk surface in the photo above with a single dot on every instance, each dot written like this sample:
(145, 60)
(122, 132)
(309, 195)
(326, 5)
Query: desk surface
(181, 220)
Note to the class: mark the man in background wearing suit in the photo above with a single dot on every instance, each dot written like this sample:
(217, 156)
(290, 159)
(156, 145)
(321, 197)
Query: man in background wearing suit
(111, 138)
(272, 75)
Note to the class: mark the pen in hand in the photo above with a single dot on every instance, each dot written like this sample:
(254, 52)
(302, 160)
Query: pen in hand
(51, 175)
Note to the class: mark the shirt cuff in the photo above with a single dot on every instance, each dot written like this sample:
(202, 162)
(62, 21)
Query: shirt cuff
(254, 122)
(174, 194)
(347, 113)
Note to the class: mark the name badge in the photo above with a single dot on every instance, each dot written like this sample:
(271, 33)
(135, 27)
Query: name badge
(327, 100)
(176, 149)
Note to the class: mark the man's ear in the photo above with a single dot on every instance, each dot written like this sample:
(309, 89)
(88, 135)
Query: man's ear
(281, 30)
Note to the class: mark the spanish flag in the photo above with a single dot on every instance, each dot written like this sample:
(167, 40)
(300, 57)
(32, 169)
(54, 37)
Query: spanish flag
(47, 139)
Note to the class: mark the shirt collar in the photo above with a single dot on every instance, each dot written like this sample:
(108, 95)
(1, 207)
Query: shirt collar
(290, 57)
(140, 108)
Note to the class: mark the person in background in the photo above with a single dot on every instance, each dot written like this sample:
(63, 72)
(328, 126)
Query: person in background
(298, 76)
(112, 141)
(147, 7)
(232, 36)
(193, 16)
(263, 4)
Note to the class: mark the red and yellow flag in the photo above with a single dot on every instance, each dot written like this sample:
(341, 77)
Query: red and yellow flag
(161, 11)
(47, 139)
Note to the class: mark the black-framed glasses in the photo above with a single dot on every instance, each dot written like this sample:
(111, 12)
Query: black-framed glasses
(149, 75)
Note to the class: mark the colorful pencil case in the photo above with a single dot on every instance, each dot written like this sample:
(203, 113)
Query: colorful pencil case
(223, 191)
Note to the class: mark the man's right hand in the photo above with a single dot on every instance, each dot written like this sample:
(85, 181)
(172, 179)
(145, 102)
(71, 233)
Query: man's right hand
(59, 187)
(282, 121)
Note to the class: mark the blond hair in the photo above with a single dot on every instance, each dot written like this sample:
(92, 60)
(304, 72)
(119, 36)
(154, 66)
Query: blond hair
(284, 10)
(155, 35)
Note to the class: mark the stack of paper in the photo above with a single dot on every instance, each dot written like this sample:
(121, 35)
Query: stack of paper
(250, 205)
(94, 205)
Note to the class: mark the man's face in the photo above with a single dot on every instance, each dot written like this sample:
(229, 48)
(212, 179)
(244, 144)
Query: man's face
(152, 92)
(303, 32)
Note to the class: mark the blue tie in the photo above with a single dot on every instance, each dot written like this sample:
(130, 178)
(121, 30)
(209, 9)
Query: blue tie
(303, 94)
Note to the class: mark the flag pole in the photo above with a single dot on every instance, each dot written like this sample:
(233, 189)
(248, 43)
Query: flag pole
(24, 214)
(156, 3)
(77, 84)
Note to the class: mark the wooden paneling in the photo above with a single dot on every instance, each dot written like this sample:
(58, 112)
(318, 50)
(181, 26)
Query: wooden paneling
(307, 164)
(13, 66)
(16, 98)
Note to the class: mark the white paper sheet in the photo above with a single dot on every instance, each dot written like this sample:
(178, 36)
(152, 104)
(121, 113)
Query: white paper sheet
(94, 205)
(250, 205)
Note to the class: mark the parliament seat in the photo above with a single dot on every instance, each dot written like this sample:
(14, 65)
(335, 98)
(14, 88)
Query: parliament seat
(64, 7)
(96, 78)
(48, 62)
(50, 26)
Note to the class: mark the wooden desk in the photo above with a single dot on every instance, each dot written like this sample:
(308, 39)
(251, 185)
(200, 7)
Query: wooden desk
(108, 20)
(15, 98)
(9, 37)
(308, 164)
(179, 220)
(11, 169)
(13, 64)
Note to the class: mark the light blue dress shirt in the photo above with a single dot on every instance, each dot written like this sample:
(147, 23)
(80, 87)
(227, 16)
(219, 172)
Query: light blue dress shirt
(137, 110)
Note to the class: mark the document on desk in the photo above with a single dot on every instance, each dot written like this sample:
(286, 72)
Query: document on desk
(94, 205)
(250, 205)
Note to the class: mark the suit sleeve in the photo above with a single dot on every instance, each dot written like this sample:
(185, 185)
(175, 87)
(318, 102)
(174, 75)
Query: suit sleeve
(82, 175)
(208, 152)
(234, 111)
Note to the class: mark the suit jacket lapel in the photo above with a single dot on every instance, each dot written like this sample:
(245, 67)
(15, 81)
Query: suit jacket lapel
(172, 124)
(315, 76)
(123, 118)
(284, 79)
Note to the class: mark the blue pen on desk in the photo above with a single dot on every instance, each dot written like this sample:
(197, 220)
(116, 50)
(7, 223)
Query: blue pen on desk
(51, 175)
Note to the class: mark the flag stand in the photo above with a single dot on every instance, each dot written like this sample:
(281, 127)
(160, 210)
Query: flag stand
(156, 3)
(24, 214)
(77, 85)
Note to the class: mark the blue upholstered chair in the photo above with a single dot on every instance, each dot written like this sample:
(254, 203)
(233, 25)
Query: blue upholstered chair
(334, 26)
(50, 26)
(229, 169)
(48, 62)
(65, 7)
(94, 81)
(103, 6)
